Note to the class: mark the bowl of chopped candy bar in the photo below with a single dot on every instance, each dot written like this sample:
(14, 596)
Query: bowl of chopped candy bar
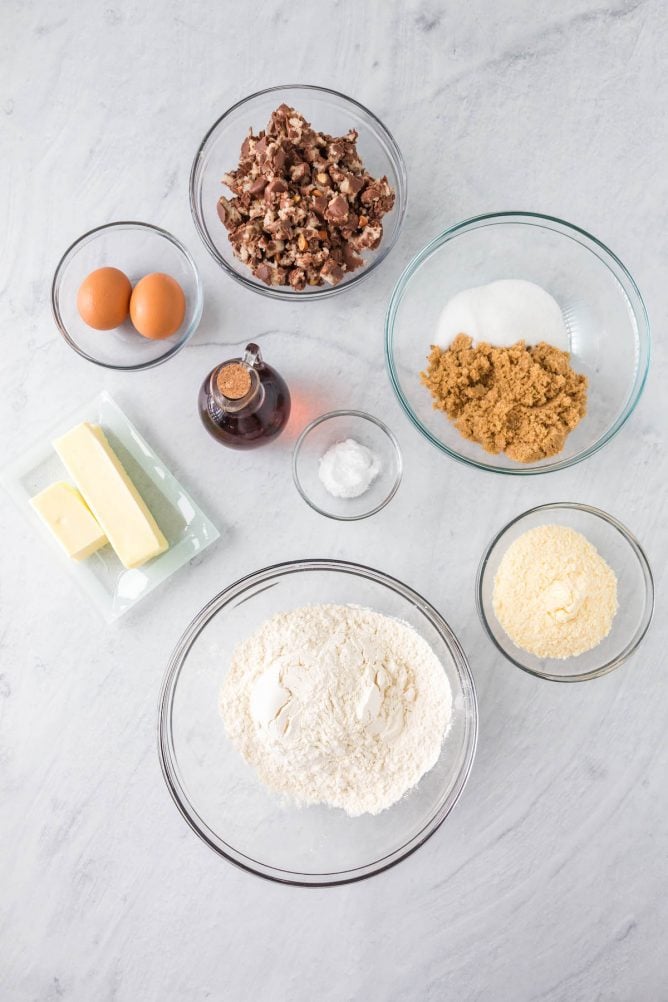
(298, 191)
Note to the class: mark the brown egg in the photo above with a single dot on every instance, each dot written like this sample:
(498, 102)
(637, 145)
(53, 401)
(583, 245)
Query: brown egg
(157, 305)
(103, 299)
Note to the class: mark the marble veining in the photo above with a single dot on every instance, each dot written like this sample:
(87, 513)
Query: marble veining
(548, 882)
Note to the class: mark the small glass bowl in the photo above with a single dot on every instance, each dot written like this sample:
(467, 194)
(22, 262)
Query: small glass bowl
(221, 797)
(137, 249)
(635, 591)
(602, 307)
(318, 436)
(327, 111)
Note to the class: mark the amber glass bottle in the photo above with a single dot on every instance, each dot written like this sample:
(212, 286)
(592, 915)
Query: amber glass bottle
(244, 402)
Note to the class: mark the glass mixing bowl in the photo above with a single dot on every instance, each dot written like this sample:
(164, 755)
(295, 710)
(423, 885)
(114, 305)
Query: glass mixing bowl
(635, 591)
(603, 310)
(137, 249)
(327, 111)
(220, 796)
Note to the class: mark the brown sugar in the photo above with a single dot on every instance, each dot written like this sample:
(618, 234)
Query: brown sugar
(523, 400)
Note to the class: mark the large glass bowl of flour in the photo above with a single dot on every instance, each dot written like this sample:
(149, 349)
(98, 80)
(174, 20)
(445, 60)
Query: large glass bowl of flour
(221, 797)
(603, 312)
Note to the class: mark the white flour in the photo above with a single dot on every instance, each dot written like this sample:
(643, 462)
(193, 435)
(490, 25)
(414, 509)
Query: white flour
(337, 705)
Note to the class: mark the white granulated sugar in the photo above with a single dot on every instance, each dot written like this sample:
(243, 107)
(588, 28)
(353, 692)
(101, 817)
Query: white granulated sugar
(338, 705)
(503, 313)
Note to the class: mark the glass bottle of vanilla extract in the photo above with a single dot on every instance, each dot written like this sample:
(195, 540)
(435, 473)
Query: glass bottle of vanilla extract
(244, 402)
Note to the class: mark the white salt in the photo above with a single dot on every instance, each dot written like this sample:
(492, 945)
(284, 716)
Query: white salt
(348, 469)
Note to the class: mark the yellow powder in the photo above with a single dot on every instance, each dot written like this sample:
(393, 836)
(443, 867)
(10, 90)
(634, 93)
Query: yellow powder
(554, 595)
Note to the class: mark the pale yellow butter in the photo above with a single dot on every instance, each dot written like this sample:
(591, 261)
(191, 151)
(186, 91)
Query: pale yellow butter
(64, 511)
(111, 495)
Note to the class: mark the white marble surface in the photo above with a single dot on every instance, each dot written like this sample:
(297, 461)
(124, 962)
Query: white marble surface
(548, 882)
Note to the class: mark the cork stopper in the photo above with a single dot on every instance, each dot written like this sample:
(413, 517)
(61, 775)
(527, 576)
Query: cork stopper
(234, 381)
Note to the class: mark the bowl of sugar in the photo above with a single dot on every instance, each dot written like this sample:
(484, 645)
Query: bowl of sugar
(517, 343)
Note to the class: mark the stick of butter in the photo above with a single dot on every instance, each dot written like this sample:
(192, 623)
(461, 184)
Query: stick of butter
(110, 495)
(65, 513)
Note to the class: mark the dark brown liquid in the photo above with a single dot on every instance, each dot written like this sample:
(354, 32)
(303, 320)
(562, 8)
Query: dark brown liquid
(261, 420)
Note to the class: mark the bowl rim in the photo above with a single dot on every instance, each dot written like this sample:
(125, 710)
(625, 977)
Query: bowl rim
(363, 415)
(178, 657)
(319, 292)
(629, 649)
(173, 349)
(638, 308)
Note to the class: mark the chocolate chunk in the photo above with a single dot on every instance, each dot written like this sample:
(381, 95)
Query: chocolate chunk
(228, 212)
(275, 187)
(263, 272)
(351, 259)
(297, 278)
(278, 160)
(336, 150)
(351, 185)
(300, 171)
(280, 229)
(258, 186)
(274, 247)
(294, 131)
(331, 273)
(369, 238)
(377, 191)
(337, 209)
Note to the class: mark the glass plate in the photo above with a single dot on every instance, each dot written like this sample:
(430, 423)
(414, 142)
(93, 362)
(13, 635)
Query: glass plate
(111, 587)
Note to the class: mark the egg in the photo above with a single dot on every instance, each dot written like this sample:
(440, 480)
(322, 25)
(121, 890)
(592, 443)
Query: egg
(157, 306)
(103, 299)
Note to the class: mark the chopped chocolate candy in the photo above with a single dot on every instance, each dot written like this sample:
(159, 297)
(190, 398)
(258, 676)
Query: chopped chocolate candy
(337, 209)
(304, 207)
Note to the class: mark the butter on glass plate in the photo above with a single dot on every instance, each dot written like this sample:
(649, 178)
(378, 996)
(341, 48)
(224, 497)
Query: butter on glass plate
(103, 579)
